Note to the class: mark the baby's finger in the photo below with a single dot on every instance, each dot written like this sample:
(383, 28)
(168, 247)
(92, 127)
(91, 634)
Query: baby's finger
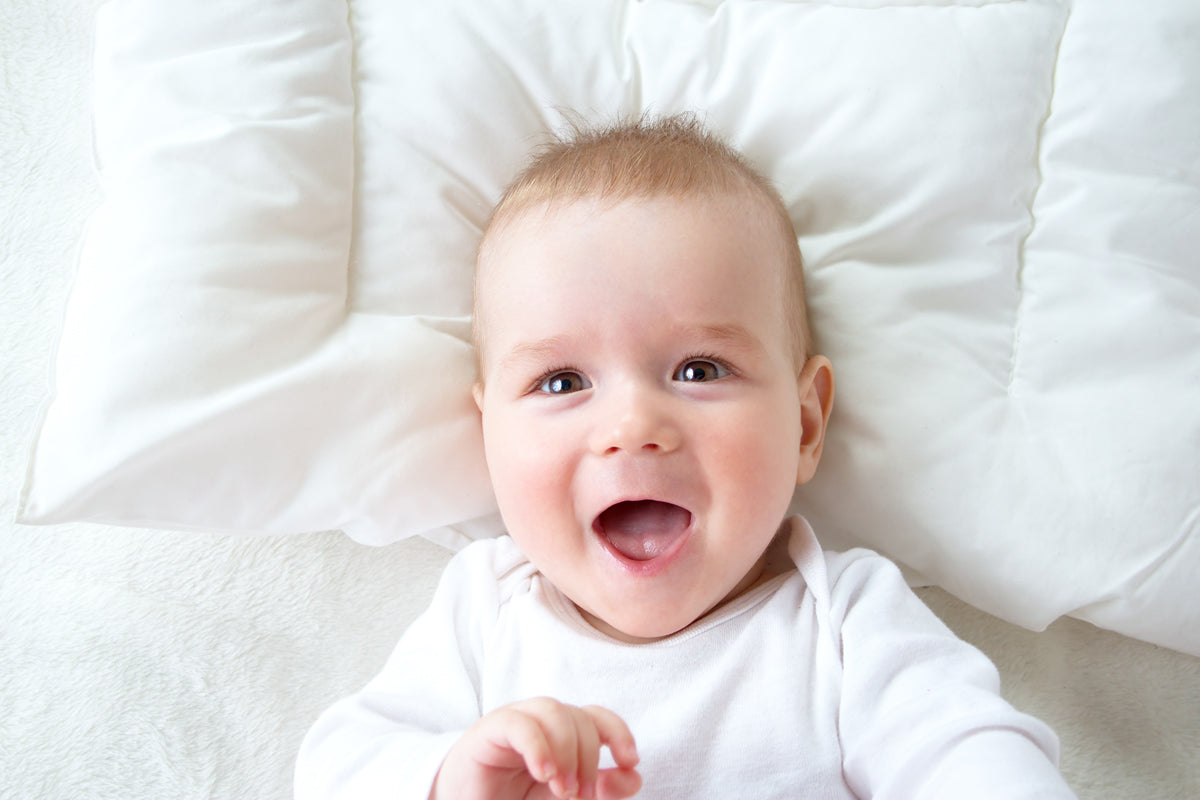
(588, 743)
(617, 784)
(522, 733)
(616, 734)
(561, 761)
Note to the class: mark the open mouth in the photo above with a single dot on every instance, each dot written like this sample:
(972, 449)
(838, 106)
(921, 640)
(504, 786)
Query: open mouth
(643, 530)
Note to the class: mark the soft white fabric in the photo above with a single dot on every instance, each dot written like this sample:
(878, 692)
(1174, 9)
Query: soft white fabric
(831, 680)
(997, 202)
(214, 370)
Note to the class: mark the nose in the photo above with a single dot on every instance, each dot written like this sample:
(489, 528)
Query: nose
(636, 421)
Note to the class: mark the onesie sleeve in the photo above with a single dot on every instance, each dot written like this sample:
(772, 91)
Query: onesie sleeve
(921, 714)
(389, 739)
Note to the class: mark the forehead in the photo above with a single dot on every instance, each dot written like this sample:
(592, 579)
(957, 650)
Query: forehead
(737, 229)
(717, 259)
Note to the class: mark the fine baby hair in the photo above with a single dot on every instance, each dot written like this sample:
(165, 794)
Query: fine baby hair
(645, 157)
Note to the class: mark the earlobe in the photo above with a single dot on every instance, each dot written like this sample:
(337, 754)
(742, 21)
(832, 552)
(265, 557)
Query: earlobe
(816, 403)
(477, 393)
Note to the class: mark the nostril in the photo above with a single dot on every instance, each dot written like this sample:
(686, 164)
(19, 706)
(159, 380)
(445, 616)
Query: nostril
(636, 429)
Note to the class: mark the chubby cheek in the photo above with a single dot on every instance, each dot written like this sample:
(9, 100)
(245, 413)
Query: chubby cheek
(531, 479)
(761, 461)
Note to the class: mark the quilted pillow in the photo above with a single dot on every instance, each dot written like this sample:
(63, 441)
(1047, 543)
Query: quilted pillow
(997, 203)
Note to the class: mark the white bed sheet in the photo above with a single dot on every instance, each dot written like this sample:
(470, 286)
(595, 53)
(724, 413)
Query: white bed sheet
(148, 664)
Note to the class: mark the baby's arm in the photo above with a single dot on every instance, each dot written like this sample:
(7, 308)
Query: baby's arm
(921, 711)
(541, 748)
(389, 739)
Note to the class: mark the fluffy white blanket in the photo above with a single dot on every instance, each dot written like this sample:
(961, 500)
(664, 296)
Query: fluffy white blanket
(148, 664)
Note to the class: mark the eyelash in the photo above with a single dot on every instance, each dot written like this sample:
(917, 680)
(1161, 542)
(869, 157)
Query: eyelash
(538, 382)
(536, 385)
(720, 362)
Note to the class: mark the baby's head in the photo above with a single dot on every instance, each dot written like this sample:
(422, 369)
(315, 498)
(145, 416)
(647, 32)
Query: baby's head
(648, 396)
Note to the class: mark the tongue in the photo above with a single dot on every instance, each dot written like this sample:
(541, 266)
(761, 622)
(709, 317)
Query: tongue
(643, 529)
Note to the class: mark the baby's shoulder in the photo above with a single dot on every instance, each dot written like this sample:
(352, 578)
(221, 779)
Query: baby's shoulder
(842, 582)
(492, 566)
(831, 572)
(849, 570)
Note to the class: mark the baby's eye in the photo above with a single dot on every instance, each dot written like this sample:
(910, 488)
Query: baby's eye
(563, 383)
(699, 370)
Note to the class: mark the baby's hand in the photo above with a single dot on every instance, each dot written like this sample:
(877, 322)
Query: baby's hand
(540, 749)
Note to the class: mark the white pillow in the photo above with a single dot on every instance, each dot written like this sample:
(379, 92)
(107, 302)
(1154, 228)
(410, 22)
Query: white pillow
(269, 328)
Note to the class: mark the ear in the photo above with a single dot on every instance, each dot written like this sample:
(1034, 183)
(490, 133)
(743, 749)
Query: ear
(816, 402)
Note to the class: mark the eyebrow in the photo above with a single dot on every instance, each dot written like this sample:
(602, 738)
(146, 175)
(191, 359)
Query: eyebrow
(538, 350)
(733, 335)
(728, 335)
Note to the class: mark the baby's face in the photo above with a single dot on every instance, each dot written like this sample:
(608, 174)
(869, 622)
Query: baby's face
(640, 401)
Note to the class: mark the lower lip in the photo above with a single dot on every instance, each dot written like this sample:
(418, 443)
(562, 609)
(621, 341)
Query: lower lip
(651, 566)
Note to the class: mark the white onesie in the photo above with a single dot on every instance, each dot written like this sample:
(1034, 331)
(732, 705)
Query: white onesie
(829, 681)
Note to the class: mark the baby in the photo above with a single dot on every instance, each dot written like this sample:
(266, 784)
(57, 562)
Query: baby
(654, 624)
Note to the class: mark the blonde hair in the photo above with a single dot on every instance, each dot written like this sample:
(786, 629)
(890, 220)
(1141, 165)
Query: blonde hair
(650, 157)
